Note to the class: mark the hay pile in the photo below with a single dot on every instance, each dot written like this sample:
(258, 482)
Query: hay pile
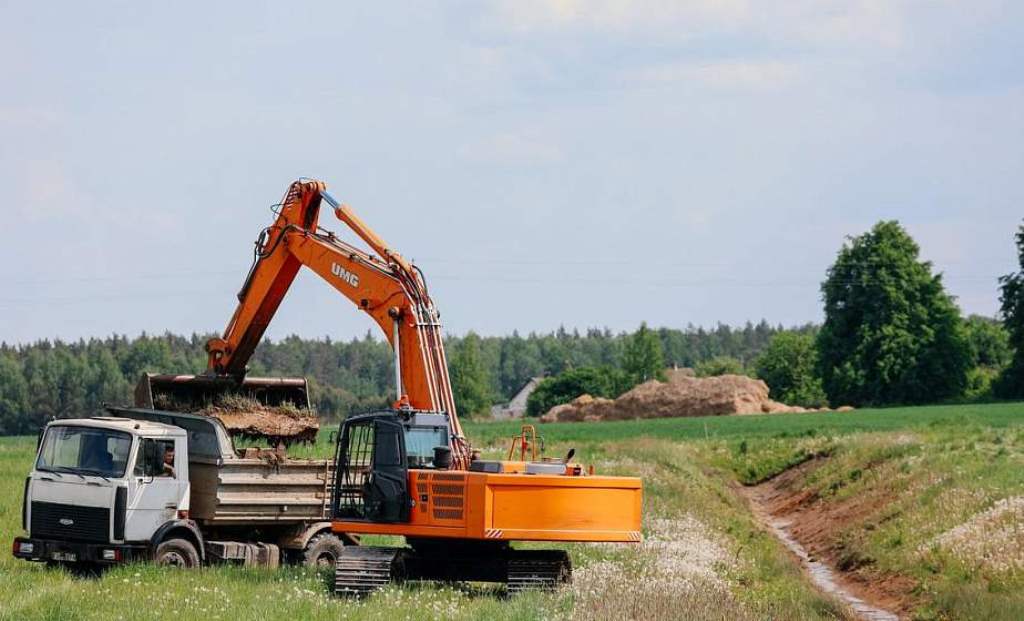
(682, 395)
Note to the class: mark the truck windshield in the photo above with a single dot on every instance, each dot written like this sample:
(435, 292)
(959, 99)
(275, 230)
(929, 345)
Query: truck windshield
(85, 450)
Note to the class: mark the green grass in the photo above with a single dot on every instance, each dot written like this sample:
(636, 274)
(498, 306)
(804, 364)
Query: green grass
(688, 466)
(996, 415)
(897, 494)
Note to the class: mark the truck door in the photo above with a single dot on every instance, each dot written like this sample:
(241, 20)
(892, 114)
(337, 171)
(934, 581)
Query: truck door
(157, 488)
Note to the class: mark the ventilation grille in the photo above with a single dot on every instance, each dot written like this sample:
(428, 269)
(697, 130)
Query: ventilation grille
(448, 495)
(421, 491)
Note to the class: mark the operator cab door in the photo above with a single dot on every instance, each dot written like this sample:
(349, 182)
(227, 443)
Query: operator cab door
(387, 491)
(372, 477)
(156, 489)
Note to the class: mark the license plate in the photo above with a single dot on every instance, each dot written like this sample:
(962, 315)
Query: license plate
(65, 556)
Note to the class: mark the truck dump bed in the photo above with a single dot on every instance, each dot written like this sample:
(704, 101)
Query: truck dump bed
(263, 488)
(248, 486)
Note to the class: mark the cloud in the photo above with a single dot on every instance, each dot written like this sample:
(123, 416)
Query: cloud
(725, 75)
(35, 117)
(511, 148)
(620, 15)
(866, 23)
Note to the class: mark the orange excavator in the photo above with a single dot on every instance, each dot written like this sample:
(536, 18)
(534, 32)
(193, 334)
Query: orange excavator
(409, 470)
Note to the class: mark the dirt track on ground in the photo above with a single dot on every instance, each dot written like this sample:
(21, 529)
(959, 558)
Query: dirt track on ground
(811, 528)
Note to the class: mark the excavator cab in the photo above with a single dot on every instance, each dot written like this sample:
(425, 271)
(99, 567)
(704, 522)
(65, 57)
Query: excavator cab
(373, 456)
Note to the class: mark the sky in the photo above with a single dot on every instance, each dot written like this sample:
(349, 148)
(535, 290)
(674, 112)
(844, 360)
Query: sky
(545, 162)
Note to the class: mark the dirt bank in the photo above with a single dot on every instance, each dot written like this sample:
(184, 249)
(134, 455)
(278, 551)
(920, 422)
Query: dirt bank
(812, 529)
(681, 395)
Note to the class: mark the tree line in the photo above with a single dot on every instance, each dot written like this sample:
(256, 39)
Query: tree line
(57, 379)
(891, 335)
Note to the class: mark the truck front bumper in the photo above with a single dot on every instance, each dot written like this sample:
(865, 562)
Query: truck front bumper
(76, 552)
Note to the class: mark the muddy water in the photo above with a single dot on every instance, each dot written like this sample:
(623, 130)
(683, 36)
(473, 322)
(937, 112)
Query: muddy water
(823, 576)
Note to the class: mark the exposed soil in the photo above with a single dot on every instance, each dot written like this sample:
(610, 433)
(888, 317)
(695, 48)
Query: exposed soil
(276, 425)
(681, 395)
(812, 527)
(248, 418)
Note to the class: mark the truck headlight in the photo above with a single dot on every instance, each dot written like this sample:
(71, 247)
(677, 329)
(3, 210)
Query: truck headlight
(110, 555)
(26, 548)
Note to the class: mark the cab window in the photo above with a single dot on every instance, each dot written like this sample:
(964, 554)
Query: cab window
(155, 458)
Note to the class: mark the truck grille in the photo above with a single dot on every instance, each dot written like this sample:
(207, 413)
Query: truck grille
(69, 522)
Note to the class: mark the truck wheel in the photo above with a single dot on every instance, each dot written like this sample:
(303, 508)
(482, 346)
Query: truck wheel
(176, 553)
(322, 551)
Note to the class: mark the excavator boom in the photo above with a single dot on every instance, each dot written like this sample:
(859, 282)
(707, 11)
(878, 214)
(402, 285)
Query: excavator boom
(380, 282)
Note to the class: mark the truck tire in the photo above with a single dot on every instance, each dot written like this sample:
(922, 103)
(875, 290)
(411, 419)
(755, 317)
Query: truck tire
(322, 551)
(176, 553)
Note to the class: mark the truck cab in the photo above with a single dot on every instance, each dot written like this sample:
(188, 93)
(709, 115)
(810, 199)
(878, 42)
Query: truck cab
(101, 489)
(172, 487)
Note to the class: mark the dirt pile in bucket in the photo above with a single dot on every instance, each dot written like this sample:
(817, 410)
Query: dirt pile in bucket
(246, 417)
(681, 396)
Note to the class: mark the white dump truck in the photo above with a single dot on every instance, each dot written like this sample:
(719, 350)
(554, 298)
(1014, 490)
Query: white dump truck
(170, 487)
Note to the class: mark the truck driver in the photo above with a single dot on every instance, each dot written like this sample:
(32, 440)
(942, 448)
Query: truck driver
(168, 460)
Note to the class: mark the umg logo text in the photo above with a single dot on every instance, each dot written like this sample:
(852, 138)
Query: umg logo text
(344, 274)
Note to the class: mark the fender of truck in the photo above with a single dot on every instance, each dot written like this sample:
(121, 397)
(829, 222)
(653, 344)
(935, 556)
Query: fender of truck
(298, 539)
(180, 529)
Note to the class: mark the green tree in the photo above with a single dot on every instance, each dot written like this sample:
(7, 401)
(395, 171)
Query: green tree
(1011, 382)
(518, 361)
(891, 333)
(988, 342)
(990, 353)
(470, 383)
(13, 398)
(563, 388)
(789, 366)
(719, 365)
(146, 354)
(643, 358)
(104, 381)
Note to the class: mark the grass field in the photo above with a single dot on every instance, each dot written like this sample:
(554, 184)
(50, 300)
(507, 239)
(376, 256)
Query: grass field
(704, 555)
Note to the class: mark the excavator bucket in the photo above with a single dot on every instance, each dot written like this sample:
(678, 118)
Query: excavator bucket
(275, 409)
(195, 392)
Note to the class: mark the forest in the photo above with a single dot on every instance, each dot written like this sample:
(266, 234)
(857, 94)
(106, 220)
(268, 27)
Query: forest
(56, 379)
(891, 335)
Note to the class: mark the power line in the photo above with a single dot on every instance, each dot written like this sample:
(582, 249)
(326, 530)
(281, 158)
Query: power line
(709, 283)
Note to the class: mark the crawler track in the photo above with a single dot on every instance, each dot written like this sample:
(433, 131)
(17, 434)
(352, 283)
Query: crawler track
(361, 571)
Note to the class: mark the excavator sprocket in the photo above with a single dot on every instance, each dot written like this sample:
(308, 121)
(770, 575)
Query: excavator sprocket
(537, 569)
(361, 570)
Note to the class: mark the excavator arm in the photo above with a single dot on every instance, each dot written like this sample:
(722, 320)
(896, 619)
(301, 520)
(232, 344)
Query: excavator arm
(381, 283)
